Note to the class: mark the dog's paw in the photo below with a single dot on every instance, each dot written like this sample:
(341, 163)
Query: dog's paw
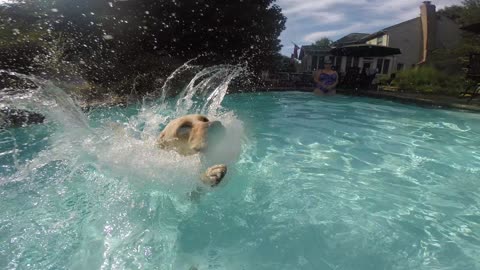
(214, 175)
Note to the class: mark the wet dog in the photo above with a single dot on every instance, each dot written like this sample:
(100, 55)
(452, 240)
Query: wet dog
(195, 134)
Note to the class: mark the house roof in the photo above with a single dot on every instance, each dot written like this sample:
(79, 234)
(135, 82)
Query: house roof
(351, 38)
(356, 38)
(400, 24)
(365, 50)
(385, 30)
(315, 48)
(312, 49)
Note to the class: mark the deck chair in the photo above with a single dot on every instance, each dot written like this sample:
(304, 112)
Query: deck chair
(388, 85)
(471, 91)
(473, 75)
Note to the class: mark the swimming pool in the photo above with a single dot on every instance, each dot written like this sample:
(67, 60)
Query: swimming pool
(332, 183)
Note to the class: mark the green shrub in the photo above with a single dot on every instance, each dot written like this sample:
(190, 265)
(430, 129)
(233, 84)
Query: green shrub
(428, 79)
(383, 79)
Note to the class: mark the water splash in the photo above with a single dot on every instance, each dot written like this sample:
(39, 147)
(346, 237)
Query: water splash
(126, 149)
(102, 178)
(207, 89)
(202, 91)
(169, 85)
(42, 96)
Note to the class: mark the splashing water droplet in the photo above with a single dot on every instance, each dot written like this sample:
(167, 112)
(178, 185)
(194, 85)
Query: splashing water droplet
(108, 37)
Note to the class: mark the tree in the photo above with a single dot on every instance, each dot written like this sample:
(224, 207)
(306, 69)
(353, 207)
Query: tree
(453, 12)
(471, 12)
(467, 13)
(323, 42)
(110, 39)
(452, 61)
(283, 64)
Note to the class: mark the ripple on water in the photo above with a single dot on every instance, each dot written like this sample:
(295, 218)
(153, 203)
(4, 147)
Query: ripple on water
(337, 183)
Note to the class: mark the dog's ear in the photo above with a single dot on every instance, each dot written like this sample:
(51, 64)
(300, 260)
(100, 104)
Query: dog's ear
(184, 130)
(202, 118)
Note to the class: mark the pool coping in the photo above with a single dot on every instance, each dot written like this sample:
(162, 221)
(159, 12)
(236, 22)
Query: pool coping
(433, 101)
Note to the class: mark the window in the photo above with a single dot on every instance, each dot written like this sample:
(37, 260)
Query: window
(380, 40)
(337, 61)
(356, 61)
(380, 65)
(386, 66)
(349, 61)
(367, 64)
(400, 66)
(314, 62)
(321, 61)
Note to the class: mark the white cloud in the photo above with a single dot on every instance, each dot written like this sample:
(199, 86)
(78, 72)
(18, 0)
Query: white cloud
(314, 11)
(292, 7)
(320, 17)
(356, 27)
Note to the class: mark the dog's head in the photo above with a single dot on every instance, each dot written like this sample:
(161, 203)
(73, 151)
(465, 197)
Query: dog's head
(190, 134)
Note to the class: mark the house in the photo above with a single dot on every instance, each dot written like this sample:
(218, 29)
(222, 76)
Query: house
(416, 38)
(312, 57)
(350, 39)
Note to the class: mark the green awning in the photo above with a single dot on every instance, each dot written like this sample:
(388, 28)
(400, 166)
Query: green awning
(365, 50)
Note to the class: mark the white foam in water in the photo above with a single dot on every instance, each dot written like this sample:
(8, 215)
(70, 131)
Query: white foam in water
(129, 150)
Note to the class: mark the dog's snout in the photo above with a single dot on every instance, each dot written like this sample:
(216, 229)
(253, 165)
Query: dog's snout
(198, 137)
(199, 147)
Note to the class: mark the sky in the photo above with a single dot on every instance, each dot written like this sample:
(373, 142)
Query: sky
(310, 20)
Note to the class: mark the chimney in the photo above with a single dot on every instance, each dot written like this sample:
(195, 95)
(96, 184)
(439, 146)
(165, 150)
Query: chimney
(429, 29)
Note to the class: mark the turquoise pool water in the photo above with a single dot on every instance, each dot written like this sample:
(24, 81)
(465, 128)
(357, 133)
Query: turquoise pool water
(320, 183)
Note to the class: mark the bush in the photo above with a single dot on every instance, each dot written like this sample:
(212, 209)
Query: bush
(428, 79)
(382, 79)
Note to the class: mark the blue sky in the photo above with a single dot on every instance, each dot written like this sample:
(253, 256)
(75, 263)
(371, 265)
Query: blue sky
(309, 20)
